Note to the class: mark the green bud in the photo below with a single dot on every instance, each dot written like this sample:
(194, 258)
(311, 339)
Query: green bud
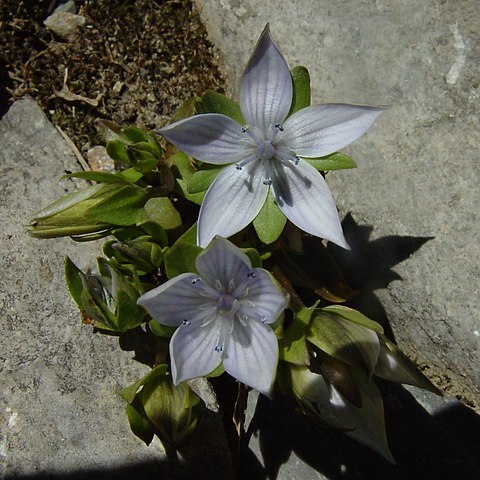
(173, 410)
(67, 216)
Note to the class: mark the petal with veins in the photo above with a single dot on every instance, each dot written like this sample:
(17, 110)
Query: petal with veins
(305, 199)
(323, 129)
(192, 350)
(251, 355)
(233, 200)
(211, 137)
(223, 261)
(266, 86)
(175, 301)
(265, 300)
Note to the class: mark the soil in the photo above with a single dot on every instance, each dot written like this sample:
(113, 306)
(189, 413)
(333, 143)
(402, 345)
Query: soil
(133, 62)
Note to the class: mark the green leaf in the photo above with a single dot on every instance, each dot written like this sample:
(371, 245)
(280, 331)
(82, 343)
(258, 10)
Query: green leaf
(161, 211)
(354, 316)
(293, 346)
(355, 345)
(128, 393)
(134, 134)
(183, 171)
(73, 276)
(334, 161)
(301, 89)
(171, 409)
(181, 257)
(139, 422)
(130, 175)
(202, 179)
(213, 102)
(254, 257)
(116, 149)
(270, 221)
(395, 366)
(369, 420)
(124, 207)
(102, 177)
(160, 330)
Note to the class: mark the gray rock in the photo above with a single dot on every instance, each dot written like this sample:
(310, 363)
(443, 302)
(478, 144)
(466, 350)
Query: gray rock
(58, 405)
(65, 24)
(418, 169)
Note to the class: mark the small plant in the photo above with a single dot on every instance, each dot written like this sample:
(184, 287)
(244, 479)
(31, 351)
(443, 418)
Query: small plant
(264, 307)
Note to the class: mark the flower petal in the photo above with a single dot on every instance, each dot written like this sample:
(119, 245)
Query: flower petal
(266, 86)
(265, 299)
(251, 355)
(192, 350)
(211, 138)
(305, 199)
(175, 301)
(223, 261)
(323, 129)
(233, 200)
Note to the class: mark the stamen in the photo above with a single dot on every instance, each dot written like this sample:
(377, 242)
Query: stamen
(285, 157)
(245, 128)
(219, 348)
(185, 323)
(279, 127)
(231, 285)
(251, 275)
(195, 280)
(263, 319)
(267, 182)
(238, 167)
(218, 285)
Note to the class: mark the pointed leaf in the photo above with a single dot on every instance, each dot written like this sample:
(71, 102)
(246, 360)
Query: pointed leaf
(301, 89)
(213, 102)
(354, 316)
(293, 346)
(181, 257)
(161, 211)
(202, 179)
(139, 422)
(124, 207)
(395, 366)
(334, 161)
(270, 221)
(355, 345)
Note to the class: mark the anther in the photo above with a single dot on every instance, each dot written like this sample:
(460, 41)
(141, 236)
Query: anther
(297, 159)
(245, 128)
(267, 182)
(185, 323)
(251, 275)
(219, 348)
(238, 167)
(277, 125)
(195, 280)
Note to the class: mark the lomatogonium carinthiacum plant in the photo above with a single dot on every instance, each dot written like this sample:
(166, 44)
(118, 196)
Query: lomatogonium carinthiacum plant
(237, 308)
(269, 150)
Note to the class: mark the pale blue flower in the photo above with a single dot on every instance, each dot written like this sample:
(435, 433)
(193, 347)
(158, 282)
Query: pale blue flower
(269, 151)
(222, 314)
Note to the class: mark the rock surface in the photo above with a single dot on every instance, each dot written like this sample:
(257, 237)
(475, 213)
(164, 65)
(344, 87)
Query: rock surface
(416, 188)
(58, 408)
(60, 417)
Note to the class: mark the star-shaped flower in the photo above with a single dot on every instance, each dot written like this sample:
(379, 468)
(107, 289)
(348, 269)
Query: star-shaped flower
(223, 314)
(269, 151)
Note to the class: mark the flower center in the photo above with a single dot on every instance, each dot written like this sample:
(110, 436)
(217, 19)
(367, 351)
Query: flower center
(227, 304)
(265, 150)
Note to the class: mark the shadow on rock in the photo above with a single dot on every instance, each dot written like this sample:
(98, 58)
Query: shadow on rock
(368, 265)
(444, 445)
